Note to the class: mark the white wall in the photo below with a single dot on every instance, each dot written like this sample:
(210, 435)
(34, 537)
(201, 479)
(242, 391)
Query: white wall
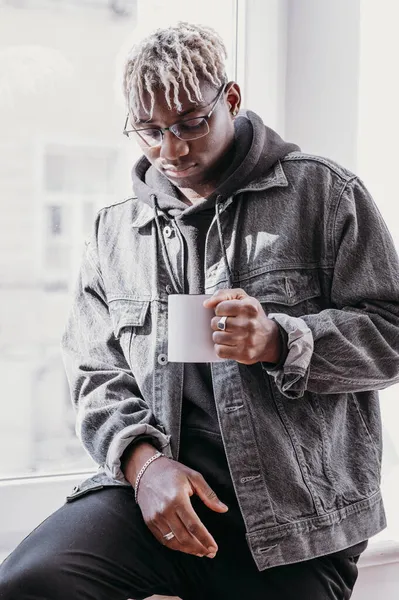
(378, 116)
(263, 77)
(377, 163)
(322, 77)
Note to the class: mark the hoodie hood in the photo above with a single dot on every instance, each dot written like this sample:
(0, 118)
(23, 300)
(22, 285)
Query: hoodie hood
(258, 148)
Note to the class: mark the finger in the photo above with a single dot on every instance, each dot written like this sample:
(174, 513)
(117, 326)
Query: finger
(159, 529)
(184, 540)
(227, 339)
(206, 545)
(196, 528)
(206, 493)
(221, 295)
(229, 308)
(229, 324)
(232, 324)
(235, 308)
(229, 352)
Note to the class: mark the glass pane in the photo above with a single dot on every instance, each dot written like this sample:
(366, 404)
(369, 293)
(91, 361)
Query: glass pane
(55, 224)
(62, 157)
(80, 169)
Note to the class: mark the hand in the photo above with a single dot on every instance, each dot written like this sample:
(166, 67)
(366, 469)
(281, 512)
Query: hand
(250, 336)
(164, 498)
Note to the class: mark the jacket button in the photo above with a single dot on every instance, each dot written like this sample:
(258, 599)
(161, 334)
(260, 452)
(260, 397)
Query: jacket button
(162, 359)
(167, 231)
(169, 289)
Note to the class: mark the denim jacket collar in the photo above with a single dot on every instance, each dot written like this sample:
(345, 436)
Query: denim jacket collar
(275, 178)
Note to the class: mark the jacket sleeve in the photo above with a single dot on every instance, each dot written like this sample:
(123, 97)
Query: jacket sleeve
(353, 346)
(111, 413)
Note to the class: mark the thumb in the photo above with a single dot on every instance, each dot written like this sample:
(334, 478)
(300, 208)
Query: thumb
(207, 495)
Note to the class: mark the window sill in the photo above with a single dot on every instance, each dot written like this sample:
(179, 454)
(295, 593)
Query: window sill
(380, 552)
(43, 495)
(46, 494)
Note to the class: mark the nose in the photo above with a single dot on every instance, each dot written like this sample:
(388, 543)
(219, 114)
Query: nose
(172, 148)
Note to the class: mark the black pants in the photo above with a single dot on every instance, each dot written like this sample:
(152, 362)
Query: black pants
(99, 548)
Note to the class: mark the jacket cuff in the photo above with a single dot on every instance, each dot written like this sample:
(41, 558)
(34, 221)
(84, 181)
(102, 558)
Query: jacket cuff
(292, 377)
(284, 351)
(124, 438)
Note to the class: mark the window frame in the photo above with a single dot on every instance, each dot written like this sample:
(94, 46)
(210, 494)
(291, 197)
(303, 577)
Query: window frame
(72, 206)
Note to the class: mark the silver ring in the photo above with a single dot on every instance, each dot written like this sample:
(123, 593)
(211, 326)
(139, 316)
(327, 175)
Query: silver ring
(169, 536)
(222, 323)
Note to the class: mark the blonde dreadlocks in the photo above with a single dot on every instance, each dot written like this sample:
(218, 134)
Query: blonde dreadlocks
(170, 58)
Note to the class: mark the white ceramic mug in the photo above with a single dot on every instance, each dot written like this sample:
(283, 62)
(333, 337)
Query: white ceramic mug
(189, 329)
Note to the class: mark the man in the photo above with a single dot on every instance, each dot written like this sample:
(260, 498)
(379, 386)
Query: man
(254, 477)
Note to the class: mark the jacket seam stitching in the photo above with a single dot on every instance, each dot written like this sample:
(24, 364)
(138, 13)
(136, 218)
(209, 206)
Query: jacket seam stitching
(320, 160)
(335, 217)
(93, 264)
(125, 200)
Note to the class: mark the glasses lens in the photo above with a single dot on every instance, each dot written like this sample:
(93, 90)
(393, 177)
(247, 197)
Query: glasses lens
(147, 137)
(191, 129)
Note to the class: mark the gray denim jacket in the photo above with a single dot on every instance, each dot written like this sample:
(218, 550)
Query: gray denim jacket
(303, 442)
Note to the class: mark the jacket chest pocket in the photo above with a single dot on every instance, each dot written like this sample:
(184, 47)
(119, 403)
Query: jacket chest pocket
(294, 292)
(129, 320)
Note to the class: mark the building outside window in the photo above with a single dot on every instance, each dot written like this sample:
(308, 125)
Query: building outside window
(62, 158)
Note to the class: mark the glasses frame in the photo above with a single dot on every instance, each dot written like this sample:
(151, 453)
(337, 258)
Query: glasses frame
(214, 103)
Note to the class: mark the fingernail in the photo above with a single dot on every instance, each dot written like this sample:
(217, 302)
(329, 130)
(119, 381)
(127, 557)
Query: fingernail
(211, 555)
(223, 505)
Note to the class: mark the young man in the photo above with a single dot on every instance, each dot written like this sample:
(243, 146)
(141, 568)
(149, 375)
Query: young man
(255, 477)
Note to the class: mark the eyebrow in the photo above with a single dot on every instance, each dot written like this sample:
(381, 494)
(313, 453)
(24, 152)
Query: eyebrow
(182, 114)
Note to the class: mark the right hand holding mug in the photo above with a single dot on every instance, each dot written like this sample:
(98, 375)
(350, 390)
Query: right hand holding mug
(164, 499)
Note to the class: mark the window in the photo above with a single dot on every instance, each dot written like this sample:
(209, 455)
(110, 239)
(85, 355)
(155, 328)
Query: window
(123, 8)
(78, 179)
(55, 223)
(80, 169)
(62, 157)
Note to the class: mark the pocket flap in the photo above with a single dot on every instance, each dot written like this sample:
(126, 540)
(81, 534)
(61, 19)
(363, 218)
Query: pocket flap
(127, 313)
(288, 287)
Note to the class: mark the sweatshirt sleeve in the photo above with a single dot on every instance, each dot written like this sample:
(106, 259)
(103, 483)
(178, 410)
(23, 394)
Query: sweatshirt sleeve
(111, 413)
(353, 346)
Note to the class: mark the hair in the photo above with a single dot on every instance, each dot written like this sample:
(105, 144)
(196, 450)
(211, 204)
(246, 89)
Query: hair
(182, 55)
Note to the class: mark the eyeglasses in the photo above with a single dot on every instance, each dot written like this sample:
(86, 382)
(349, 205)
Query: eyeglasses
(188, 129)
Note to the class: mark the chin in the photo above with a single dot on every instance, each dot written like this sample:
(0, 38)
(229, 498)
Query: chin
(187, 182)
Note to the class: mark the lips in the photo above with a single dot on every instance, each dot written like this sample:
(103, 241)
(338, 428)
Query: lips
(180, 172)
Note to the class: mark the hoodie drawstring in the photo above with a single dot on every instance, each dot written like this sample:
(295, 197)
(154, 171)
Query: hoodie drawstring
(221, 242)
(165, 254)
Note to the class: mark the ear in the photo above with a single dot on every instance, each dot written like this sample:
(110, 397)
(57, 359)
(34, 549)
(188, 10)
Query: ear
(233, 97)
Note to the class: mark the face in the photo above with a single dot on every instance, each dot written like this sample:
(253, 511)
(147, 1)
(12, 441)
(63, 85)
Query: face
(196, 164)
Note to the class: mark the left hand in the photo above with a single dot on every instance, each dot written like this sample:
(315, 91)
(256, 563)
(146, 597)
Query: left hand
(250, 336)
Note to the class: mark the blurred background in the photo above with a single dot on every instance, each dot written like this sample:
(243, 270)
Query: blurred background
(62, 158)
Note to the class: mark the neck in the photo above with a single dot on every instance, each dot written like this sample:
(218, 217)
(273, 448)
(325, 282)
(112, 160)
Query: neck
(191, 196)
(217, 176)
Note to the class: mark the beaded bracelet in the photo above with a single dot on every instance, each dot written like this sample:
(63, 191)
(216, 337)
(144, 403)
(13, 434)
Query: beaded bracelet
(141, 472)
